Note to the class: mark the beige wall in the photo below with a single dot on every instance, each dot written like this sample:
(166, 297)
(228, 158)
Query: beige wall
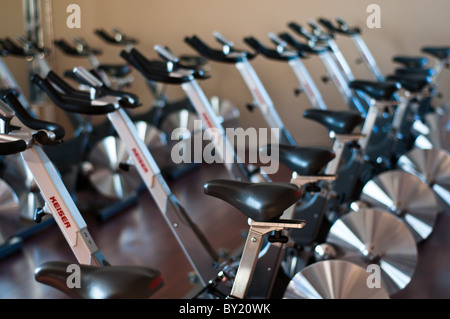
(406, 25)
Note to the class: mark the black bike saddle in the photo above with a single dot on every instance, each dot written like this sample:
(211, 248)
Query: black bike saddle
(415, 71)
(305, 161)
(380, 91)
(340, 122)
(440, 53)
(261, 202)
(411, 61)
(412, 83)
(109, 282)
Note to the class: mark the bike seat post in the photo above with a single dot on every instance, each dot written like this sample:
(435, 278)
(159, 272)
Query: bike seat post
(401, 109)
(340, 140)
(251, 251)
(6, 115)
(375, 107)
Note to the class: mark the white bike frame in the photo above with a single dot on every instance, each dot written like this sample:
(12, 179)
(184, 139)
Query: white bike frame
(58, 201)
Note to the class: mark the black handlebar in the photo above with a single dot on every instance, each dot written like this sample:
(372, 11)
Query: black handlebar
(155, 71)
(35, 124)
(322, 37)
(73, 104)
(71, 50)
(197, 69)
(271, 53)
(105, 90)
(301, 47)
(65, 87)
(123, 40)
(342, 29)
(12, 48)
(233, 56)
(14, 147)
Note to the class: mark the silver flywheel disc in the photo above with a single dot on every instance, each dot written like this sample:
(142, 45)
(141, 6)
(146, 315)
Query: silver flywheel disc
(376, 237)
(433, 167)
(112, 176)
(333, 279)
(438, 139)
(406, 196)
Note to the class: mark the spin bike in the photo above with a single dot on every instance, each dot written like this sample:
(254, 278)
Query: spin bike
(199, 252)
(77, 166)
(308, 166)
(99, 278)
(419, 135)
(432, 121)
(360, 168)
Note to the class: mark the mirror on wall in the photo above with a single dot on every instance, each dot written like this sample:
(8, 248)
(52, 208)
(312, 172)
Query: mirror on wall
(27, 37)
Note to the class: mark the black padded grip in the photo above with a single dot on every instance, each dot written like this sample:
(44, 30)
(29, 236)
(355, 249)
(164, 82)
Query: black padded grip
(332, 28)
(70, 91)
(217, 55)
(152, 72)
(12, 48)
(71, 104)
(328, 24)
(296, 28)
(112, 40)
(31, 122)
(9, 148)
(269, 53)
(65, 87)
(301, 47)
(71, 50)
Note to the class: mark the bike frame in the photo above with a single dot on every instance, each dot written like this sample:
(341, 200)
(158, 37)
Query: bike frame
(58, 201)
(195, 246)
(367, 57)
(262, 100)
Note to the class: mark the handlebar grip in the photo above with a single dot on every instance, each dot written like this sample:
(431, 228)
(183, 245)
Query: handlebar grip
(222, 40)
(106, 37)
(12, 48)
(87, 77)
(165, 53)
(91, 78)
(14, 147)
(271, 53)
(71, 104)
(168, 56)
(342, 29)
(132, 100)
(30, 121)
(255, 44)
(327, 24)
(233, 56)
(67, 48)
(301, 31)
(154, 72)
(301, 47)
(71, 50)
(201, 47)
(65, 87)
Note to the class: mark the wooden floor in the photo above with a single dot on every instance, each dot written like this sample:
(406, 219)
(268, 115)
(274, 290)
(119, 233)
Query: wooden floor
(140, 235)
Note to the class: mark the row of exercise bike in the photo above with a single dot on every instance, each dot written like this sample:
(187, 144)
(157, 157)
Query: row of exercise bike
(370, 200)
